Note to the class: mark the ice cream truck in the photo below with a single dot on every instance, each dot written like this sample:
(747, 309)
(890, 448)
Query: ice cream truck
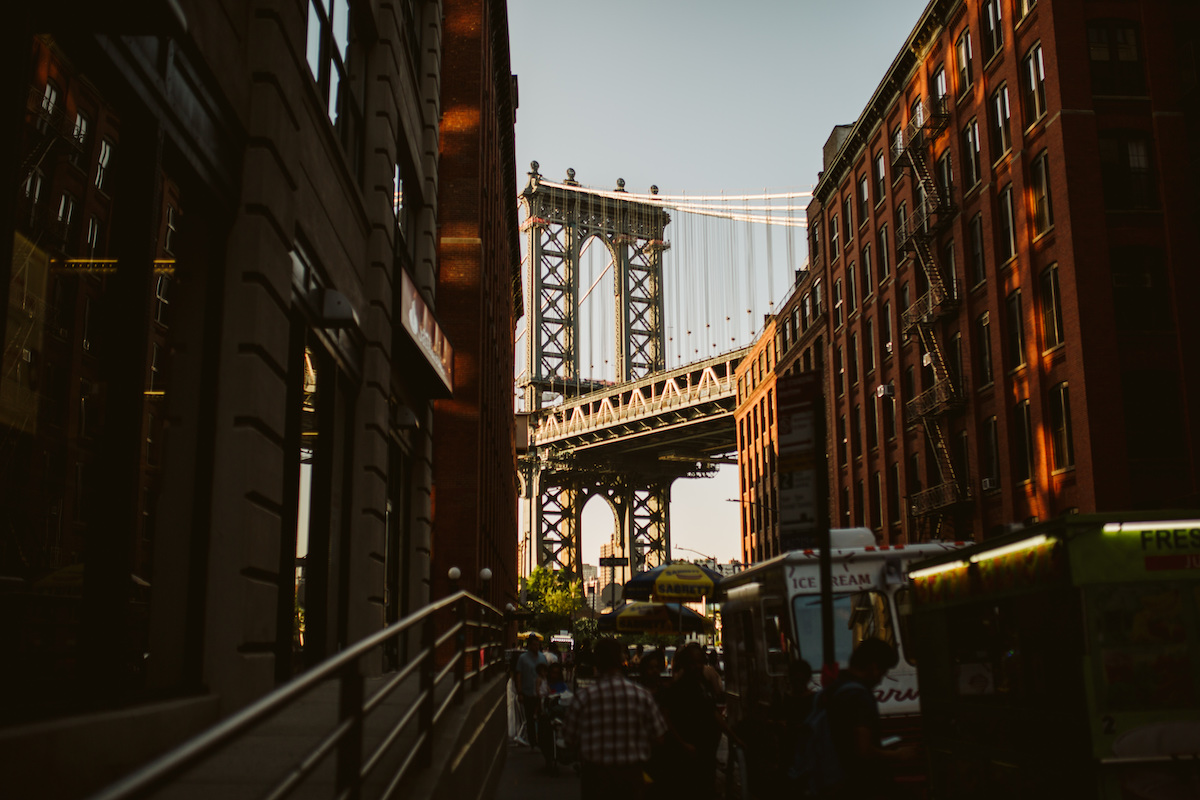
(771, 618)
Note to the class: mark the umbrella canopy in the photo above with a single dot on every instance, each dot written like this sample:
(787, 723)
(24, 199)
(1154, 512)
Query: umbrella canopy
(652, 618)
(686, 582)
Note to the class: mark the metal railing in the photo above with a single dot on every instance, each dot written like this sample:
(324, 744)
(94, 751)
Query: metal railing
(942, 396)
(939, 497)
(458, 640)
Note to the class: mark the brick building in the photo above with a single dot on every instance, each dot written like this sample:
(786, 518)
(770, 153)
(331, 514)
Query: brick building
(792, 340)
(1007, 236)
(223, 340)
(479, 291)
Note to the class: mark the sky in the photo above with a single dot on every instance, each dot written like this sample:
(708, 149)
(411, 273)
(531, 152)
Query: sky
(696, 97)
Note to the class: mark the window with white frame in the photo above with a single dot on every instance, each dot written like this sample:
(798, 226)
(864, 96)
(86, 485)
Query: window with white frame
(962, 59)
(1062, 447)
(162, 288)
(1043, 207)
(885, 328)
(329, 49)
(1052, 318)
(834, 250)
(991, 27)
(1023, 7)
(998, 122)
(970, 155)
(884, 261)
(1015, 329)
(93, 236)
(983, 350)
(1033, 85)
(864, 200)
(940, 88)
(169, 235)
(868, 280)
(80, 135)
(102, 162)
(837, 302)
(851, 289)
(848, 218)
(880, 178)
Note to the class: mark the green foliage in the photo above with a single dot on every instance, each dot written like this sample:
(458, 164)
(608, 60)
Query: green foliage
(553, 598)
(584, 630)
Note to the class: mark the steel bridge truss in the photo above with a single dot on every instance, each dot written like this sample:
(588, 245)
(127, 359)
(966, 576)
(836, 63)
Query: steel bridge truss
(560, 219)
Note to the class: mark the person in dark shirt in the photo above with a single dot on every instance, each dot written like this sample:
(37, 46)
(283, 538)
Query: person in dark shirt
(695, 727)
(854, 723)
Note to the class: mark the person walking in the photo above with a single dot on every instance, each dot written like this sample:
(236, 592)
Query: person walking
(691, 705)
(613, 725)
(865, 765)
(527, 686)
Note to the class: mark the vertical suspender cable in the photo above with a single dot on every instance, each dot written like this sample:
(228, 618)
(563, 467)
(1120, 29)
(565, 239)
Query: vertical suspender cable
(770, 234)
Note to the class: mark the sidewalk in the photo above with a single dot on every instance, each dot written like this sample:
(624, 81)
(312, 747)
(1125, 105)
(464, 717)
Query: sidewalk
(525, 777)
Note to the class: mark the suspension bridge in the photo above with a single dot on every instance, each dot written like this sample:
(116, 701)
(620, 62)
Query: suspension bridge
(631, 341)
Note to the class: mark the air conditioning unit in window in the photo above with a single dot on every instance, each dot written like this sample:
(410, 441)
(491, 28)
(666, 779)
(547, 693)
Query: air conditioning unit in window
(887, 346)
(885, 390)
(927, 360)
(990, 483)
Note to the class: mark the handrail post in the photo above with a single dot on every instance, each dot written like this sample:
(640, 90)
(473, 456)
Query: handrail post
(460, 650)
(350, 705)
(479, 650)
(428, 668)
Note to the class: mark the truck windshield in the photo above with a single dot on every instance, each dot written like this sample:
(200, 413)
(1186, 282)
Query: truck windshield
(857, 616)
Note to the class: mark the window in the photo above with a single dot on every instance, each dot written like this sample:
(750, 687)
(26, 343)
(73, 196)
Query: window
(998, 121)
(897, 148)
(902, 231)
(1006, 230)
(884, 261)
(1052, 321)
(843, 445)
(80, 134)
(962, 58)
(885, 324)
(1126, 171)
(814, 242)
(848, 218)
(1023, 452)
(868, 279)
(983, 350)
(950, 268)
(876, 500)
(956, 362)
(978, 268)
(839, 368)
(853, 359)
(939, 88)
(880, 178)
(162, 286)
(834, 250)
(329, 51)
(1033, 85)
(916, 112)
(1116, 59)
(894, 493)
(155, 369)
(169, 237)
(1043, 208)
(1061, 446)
(970, 154)
(50, 98)
(1015, 328)
(66, 214)
(1023, 7)
(991, 28)
(962, 458)
(93, 236)
(889, 412)
(851, 290)
(837, 302)
(102, 162)
(864, 202)
(989, 459)
(868, 345)
(944, 178)
(856, 434)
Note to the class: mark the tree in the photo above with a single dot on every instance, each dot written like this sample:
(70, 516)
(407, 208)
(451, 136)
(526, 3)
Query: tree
(553, 598)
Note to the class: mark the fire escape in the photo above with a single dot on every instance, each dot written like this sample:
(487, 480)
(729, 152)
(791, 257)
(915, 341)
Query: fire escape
(933, 208)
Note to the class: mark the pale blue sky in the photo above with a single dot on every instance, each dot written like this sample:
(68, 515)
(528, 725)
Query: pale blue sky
(696, 96)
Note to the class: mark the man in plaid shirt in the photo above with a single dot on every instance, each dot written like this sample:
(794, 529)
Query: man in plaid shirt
(613, 723)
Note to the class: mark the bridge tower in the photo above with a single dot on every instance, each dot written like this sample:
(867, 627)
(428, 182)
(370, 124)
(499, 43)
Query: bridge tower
(560, 219)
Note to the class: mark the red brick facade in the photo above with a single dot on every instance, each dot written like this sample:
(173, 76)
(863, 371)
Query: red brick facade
(474, 460)
(1063, 338)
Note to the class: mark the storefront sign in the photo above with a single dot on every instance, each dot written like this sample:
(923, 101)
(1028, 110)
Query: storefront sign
(418, 320)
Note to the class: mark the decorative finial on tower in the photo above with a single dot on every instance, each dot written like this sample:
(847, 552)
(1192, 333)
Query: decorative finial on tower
(653, 189)
(533, 167)
(620, 184)
(571, 177)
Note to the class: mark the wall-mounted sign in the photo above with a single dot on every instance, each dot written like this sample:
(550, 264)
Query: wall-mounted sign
(800, 458)
(417, 319)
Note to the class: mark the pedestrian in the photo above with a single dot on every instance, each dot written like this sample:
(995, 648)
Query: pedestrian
(555, 681)
(527, 666)
(691, 706)
(552, 653)
(864, 763)
(636, 660)
(613, 725)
